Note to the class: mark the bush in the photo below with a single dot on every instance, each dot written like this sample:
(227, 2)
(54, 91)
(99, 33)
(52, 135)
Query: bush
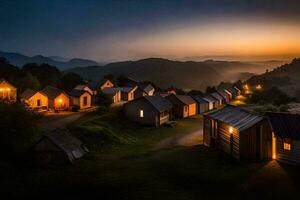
(19, 130)
(103, 99)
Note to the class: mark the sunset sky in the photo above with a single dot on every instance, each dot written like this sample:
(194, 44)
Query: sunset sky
(177, 29)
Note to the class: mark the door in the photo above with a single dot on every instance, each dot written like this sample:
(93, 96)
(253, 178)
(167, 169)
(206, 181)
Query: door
(258, 143)
(38, 103)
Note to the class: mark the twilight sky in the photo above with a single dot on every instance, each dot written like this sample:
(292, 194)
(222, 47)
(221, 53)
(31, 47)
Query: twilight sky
(110, 30)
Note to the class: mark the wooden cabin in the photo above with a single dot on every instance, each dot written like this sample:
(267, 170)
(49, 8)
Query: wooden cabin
(202, 105)
(240, 133)
(127, 93)
(149, 110)
(34, 100)
(59, 147)
(57, 98)
(183, 105)
(233, 91)
(114, 93)
(100, 85)
(286, 136)
(80, 98)
(218, 97)
(143, 89)
(225, 95)
(212, 102)
(8, 92)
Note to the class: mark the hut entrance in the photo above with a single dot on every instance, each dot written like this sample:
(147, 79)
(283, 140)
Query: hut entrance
(214, 132)
(258, 143)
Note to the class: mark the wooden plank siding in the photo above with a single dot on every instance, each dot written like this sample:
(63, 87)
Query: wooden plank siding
(241, 145)
(292, 156)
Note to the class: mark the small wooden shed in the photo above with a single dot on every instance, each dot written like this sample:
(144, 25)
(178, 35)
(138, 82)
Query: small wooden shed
(240, 133)
(218, 97)
(149, 110)
(8, 92)
(212, 102)
(286, 136)
(183, 105)
(202, 105)
(34, 100)
(59, 147)
(57, 98)
(80, 98)
(100, 85)
(225, 95)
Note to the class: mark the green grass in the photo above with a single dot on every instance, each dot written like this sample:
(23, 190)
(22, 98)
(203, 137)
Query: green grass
(135, 170)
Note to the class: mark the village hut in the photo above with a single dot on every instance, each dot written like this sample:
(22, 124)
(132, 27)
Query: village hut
(80, 98)
(183, 105)
(100, 85)
(240, 133)
(8, 92)
(149, 110)
(59, 147)
(202, 105)
(34, 100)
(57, 98)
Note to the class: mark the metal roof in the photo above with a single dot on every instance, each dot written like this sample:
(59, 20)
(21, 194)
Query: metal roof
(95, 85)
(217, 96)
(209, 98)
(126, 89)
(199, 99)
(186, 99)
(285, 125)
(236, 117)
(159, 103)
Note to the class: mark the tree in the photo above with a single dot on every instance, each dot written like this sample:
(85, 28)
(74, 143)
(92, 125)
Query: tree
(195, 92)
(29, 82)
(46, 74)
(70, 80)
(19, 130)
(103, 99)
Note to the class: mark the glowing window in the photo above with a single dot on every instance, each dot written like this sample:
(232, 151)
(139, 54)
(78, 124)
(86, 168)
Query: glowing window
(287, 146)
(141, 113)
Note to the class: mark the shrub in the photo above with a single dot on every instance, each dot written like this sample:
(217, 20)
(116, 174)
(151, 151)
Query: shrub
(19, 130)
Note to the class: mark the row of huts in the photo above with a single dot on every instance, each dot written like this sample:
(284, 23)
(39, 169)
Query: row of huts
(80, 96)
(160, 108)
(248, 136)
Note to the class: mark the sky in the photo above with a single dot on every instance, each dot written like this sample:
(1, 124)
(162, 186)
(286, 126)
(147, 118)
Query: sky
(114, 30)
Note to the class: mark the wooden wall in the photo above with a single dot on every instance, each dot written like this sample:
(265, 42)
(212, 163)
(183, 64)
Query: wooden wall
(241, 145)
(292, 156)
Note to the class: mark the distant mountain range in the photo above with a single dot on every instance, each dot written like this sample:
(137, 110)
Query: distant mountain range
(62, 63)
(185, 75)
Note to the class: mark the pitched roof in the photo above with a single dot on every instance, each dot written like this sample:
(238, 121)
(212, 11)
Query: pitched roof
(159, 103)
(199, 99)
(217, 96)
(223, 93)
(77, 93)
(186, 99)
(110, 91)
(95, 85)
(126, 89)
(236, 117)
(209, 98)
(285, 125)
(80, 87)
(52, 92)
(232, 90)
(4, 80)
(66, 142)
(28, 94)
(145, 86)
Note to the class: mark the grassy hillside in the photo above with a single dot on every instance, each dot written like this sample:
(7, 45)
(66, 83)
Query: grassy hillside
(187, 75)
(286, 77)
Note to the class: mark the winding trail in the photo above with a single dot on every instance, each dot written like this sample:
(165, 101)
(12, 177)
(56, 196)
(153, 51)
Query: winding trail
(191, 139)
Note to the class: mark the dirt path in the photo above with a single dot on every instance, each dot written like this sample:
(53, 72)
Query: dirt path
(191, 139)
(54, 121)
